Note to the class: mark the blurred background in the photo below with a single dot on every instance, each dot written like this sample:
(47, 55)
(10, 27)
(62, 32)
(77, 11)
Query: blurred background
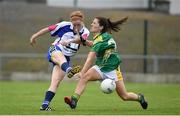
(149, 42)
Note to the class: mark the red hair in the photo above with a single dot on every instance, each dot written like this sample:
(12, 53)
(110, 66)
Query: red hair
(77, 15)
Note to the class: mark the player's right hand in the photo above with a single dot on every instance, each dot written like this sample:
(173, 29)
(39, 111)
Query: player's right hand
(32, 40)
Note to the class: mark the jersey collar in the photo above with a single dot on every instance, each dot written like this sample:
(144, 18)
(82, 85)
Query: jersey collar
(96, 36)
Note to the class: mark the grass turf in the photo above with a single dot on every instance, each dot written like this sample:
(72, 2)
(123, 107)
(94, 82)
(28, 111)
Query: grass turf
(26, 97)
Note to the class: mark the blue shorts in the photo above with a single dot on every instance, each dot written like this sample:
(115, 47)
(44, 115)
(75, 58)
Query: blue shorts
(52, 49)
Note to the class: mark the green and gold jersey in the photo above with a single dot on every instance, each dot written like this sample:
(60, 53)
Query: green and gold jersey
(107, 57)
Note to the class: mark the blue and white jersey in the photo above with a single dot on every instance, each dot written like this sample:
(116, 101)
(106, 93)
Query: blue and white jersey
(64, 31)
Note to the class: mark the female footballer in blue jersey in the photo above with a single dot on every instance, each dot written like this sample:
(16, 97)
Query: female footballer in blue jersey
(107, 63)
(62, 49)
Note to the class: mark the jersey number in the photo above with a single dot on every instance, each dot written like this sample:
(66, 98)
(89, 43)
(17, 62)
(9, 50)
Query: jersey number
(111, 41)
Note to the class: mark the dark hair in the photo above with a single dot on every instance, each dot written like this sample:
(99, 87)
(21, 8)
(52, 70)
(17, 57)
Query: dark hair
(108, 25)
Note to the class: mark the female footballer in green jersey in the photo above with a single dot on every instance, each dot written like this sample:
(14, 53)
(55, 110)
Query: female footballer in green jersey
(107, 64)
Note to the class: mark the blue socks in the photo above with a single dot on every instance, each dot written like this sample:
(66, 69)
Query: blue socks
(48, 97)
(66, 67)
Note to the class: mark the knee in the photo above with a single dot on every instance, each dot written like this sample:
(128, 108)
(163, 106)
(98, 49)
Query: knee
(85, 77)
(54, 56)
(124, 97)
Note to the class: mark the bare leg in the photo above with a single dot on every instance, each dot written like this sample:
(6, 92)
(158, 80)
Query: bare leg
(57, 77)
(58, 58)
(121, 91)
(90, 75)
(130, 96)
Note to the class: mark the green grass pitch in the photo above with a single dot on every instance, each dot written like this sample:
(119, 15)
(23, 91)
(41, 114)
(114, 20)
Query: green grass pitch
(25, 98)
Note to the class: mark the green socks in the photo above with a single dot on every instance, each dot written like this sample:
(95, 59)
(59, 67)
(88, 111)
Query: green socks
(76, 96)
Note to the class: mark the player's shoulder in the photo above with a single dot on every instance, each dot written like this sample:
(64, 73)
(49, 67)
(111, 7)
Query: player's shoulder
(98, 39)
(106, 36)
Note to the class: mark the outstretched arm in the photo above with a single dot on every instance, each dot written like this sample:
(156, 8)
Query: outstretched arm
(38, 34)
(89, 62)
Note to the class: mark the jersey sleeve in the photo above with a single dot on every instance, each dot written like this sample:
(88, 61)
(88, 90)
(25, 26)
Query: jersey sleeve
(54, 29)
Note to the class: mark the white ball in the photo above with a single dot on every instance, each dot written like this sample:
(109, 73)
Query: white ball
(108, 86)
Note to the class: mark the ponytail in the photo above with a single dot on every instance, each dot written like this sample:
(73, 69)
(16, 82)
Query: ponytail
(108, 25)
(115, 26)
